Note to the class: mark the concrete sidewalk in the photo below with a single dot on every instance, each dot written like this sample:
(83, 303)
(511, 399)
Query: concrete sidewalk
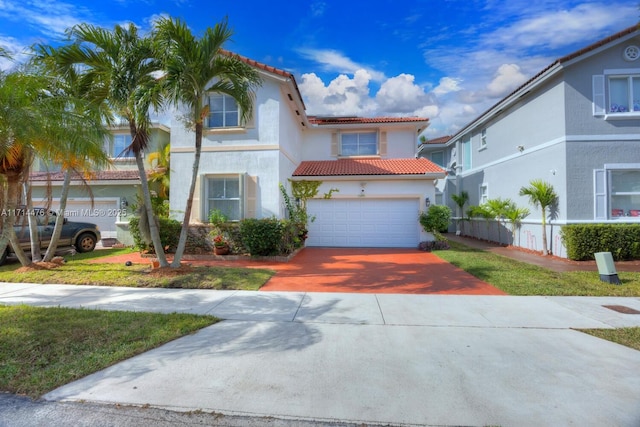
(370, 358)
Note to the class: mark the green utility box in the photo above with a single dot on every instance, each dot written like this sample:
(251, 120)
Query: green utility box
(606, 268)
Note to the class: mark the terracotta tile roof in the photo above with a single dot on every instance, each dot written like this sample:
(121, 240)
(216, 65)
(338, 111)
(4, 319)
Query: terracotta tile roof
(363, 120)
(340, 167)
(98, 176)
(439, 140)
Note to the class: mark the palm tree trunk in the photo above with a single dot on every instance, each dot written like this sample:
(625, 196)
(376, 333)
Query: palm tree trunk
(544, 233)
(13, 191)
(184, 231)
(34, 236)
(153, 223)
(57, 229)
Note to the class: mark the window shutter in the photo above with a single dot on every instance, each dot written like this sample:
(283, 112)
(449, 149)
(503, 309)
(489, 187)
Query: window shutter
(383, 144)
(598, 95)
(600, 194)
(197, 211)
(334, 145)
(251, 196)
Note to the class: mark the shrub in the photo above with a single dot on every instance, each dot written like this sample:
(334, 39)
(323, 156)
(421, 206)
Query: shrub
(583, 240)
(435, 245)
(437, 218)
(261, 237)
(169, 234)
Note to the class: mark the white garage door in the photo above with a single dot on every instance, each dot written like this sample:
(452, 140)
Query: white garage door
(364, 223)
(104, 214)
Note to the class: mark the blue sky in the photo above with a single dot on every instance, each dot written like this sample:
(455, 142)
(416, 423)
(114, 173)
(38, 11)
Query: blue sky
(445, 60)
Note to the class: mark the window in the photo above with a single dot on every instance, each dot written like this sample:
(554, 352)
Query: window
(223, 193)
(483, 138)
(617, 192)
(484, 193)
(437, 157)
(617, 95)
(223, 111)
(359, 144)
(466, 155)
(120, 145)
(624, 94)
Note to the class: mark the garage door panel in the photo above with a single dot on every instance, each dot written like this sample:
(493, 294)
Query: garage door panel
(364, 222)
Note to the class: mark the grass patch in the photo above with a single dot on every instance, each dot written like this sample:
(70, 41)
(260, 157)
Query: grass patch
(79, 271)
(520, 278)
(44, 348)
(629, 337)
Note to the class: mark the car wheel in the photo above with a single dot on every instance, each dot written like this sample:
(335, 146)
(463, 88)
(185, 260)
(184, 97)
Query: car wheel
(3, 257)
(86, 242)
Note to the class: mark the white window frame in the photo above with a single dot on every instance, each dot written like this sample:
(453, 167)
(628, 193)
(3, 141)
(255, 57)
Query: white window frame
(604, 206)
(483, 194)
(602, 103)
(239, 199)
(483, 139)
(466, 150)
(225, 99)
(121, 153)
(358, 133)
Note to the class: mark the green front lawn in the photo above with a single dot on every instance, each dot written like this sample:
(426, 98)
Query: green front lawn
(44, 348)
(629, 337)
(78, 271)
(519, 278)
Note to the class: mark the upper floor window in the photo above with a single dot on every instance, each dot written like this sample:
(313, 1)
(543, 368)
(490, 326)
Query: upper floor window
(359, 144)
(483, 138)
(466, 154)
(437, 157)
(484, 193)
(121, 143)
(223, 111)
(624, 94)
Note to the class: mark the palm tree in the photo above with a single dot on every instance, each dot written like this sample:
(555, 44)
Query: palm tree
(460, 200)
(515, 215)
(193, 68)
(541, 194)
(119, 68)
(498, 207)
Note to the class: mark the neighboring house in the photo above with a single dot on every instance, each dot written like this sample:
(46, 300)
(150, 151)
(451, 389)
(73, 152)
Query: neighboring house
(381, 186)
(576, 124)
(114, 192)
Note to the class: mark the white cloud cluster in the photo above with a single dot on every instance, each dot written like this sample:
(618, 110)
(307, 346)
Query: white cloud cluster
(480, 67)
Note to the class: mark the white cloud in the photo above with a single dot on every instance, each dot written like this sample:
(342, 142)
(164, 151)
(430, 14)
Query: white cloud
(447, 85)
(342, 96)
(401, 95)
(334, 61)
(507, 79)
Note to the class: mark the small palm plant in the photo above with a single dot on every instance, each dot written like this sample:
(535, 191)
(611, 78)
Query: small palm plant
(498, 207)
(515, 215)
(460, 200)
(542, 194)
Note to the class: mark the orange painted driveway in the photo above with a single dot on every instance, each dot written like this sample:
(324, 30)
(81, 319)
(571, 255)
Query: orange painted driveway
(359, 270)
(374, 270)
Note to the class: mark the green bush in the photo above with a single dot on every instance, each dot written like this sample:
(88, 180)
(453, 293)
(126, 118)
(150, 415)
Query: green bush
(261, 237)
(169, 234)
(583, 240)
(437, 218)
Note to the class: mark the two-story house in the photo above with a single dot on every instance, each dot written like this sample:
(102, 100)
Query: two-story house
(377, 186)
(575, 124)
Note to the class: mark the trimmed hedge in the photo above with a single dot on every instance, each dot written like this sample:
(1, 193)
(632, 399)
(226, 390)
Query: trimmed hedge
(169, 234)
(583, 240)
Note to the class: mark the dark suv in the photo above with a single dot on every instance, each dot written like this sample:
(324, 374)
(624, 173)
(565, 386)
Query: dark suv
(81, 235)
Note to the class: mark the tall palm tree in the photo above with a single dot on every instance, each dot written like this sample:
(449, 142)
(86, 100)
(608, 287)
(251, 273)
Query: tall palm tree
(195, 67)
(460, 200)
(119, 68)
(541, 194)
